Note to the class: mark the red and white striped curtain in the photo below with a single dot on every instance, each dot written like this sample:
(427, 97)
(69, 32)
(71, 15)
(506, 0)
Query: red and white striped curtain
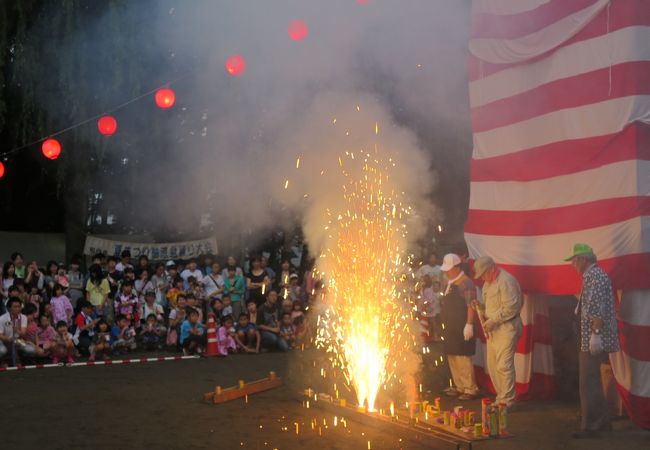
(560, 103)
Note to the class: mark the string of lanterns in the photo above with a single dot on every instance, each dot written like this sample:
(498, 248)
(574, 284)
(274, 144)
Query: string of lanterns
(164, 97)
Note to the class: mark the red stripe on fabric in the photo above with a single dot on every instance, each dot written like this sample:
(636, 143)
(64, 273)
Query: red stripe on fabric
(637, 407)
(109, 362)
(510, 26)
(556, 220)
(538, 332)
(621, 14)
(634, 340)
(565, 157)
(540, 387)
(631, 78)
(483, 379)
(626, 272)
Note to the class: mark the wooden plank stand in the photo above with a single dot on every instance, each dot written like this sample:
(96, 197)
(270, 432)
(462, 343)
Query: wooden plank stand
(243, 389)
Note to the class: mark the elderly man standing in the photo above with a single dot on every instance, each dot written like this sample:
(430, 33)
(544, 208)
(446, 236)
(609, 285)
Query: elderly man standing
(458, 328)
(501, 321)
(598, 337)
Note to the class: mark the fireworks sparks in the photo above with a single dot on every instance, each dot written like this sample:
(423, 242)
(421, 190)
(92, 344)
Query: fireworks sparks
(365, 327)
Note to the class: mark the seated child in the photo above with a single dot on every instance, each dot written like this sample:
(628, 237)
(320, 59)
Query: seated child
(123, 335)
(101, 342)
(176, 318)
(175, 291)
(85, 327)
(126, 303)
(297, 310)
(295, 291)
(247, 336)
(299, 322)
(151, 307)
(287, 331)
(47, 312)
(31, 332)
(46, 334)
(225, 337)
(193, 337)
(217, 308)
(152, 333)
(61, 306)
(62, 347)
(36, 299)
(192, 303)
(251, 307)
(227, 305)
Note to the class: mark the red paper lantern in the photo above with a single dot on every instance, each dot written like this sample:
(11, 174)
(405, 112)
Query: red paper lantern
(107, 125)
(297, 30)
(165, 98)
(51, 149)
(235, 65)
(2, 170)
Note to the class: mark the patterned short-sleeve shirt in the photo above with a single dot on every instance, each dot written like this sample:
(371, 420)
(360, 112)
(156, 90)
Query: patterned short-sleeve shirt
(597, 300)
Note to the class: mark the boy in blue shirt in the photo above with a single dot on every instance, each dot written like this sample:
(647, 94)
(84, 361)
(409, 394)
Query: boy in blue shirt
(193, 337)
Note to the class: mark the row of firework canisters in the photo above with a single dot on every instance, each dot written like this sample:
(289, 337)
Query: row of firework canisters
(493, 421)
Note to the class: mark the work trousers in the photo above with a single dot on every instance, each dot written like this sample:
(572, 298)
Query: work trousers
(594, 410)
(501, 345)
(462, 373)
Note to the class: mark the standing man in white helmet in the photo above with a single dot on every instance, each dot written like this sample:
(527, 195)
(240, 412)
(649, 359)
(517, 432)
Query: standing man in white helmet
(458, 328)
(500, 309)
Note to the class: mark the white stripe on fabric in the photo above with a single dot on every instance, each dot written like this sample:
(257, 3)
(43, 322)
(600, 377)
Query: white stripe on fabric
(629, 178)
(596, 119)
(619, 239)
(621, 46)
(505, 7)
(508, 51)
(631, 374)
(635, 307)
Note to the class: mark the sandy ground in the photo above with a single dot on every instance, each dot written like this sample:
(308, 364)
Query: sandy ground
(159, 405)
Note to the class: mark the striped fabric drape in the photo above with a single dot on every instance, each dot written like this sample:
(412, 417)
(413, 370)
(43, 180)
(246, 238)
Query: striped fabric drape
(560, 104)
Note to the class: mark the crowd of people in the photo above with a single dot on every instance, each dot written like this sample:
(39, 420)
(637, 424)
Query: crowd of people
(118, 306)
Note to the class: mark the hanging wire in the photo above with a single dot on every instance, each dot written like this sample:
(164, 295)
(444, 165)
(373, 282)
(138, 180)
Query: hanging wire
(4, 155)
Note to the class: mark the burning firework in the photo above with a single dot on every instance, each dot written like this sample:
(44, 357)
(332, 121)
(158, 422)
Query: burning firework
(365, 326)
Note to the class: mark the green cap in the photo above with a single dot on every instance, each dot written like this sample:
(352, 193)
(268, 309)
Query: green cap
(579, 250)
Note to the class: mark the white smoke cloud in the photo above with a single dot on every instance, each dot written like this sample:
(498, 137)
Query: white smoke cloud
(398, 62)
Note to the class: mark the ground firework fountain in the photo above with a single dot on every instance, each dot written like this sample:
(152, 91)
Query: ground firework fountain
(365, 323)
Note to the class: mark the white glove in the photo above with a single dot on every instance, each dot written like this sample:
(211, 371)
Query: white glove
(468, 331)
(489, 325)
(595, 344)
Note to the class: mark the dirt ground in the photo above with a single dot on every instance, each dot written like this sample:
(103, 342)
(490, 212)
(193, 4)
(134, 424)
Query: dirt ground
(159, 405)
